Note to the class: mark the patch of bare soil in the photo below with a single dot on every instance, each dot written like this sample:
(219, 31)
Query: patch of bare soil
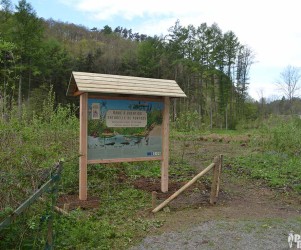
(150, 185)
(72, 202)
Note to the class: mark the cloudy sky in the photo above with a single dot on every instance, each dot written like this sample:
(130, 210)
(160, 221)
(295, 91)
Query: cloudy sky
(270, 28)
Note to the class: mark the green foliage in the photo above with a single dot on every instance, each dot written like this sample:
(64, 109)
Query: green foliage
(281, 134)
(279, 165)
(181, 170)
(150, 169)
(6, 48)
(201, 59)
(149, 53)
(188, 121)
(79, 231)
(31, 144)
(28, 148)
(28, 231)
(5, 212)
(178, 169)
(278, 170)
(114, 224)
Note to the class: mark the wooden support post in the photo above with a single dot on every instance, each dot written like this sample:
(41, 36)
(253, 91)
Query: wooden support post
(49, 239)
(216, 179)
(187, 185)
(219, 175)
(165, 146)
(83, 146)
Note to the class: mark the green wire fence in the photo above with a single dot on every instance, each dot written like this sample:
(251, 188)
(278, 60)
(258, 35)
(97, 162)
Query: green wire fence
(49, 187)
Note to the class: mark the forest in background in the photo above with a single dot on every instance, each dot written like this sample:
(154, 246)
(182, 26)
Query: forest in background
(211, 66)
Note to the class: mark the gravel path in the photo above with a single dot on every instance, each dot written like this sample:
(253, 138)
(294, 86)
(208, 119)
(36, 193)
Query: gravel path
(263, 234)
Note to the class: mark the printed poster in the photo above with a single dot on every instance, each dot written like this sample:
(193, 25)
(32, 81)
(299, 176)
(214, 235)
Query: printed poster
(124, 129)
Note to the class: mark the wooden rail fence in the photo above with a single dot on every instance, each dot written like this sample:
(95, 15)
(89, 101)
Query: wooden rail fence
(217, 169)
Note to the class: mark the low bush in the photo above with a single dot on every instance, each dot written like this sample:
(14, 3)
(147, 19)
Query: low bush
(30, 145)
(278, 169)
(281, 134)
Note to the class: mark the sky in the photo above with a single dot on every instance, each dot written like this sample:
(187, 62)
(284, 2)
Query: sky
(271, 28)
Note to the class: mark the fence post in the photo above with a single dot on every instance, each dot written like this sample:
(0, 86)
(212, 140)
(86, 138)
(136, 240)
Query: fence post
(183, 188)
(218, 161)
(54, 191)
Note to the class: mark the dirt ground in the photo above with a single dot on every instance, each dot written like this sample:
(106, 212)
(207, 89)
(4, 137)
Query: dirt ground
(241, 200)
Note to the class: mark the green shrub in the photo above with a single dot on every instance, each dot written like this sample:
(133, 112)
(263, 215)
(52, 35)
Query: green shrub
(188, 121)
(29, 147)
(277, 169)
(282, 134)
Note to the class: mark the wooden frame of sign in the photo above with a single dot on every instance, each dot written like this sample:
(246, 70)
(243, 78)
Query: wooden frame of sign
(76, 89)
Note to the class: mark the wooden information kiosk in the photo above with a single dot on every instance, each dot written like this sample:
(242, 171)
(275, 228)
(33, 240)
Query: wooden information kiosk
(122, 119)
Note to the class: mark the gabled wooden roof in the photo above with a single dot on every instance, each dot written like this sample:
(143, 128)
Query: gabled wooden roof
(82, 82)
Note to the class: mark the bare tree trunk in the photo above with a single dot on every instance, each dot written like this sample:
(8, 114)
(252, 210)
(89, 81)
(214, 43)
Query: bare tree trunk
(20, 98)
(29, 84)
(211, 125)
(289, 83)
(227, 117)
(174, 109)
(2, 100)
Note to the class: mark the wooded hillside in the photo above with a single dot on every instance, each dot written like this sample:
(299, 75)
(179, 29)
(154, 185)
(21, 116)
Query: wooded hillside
(211, 66)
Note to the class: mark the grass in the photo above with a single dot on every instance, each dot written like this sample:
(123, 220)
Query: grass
(179, 170)
(123, 209)
(122, 216)
(277, 156)
(111, 226)
(278, 170)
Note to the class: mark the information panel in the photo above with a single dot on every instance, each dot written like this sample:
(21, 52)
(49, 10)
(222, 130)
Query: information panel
(126, 119)
(121, 128)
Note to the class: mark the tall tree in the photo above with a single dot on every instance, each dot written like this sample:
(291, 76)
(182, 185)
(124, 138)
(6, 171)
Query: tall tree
(6, 9)
(288, 83)
(27, 34)
(7, 70)
(245, 58)
(149, 54)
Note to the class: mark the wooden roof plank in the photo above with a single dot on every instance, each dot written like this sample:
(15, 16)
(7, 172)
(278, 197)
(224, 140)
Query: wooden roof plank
(128, 85)
(119, 85)
(125, 90)
(121, 82)
(133, 92)
(83, 75)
